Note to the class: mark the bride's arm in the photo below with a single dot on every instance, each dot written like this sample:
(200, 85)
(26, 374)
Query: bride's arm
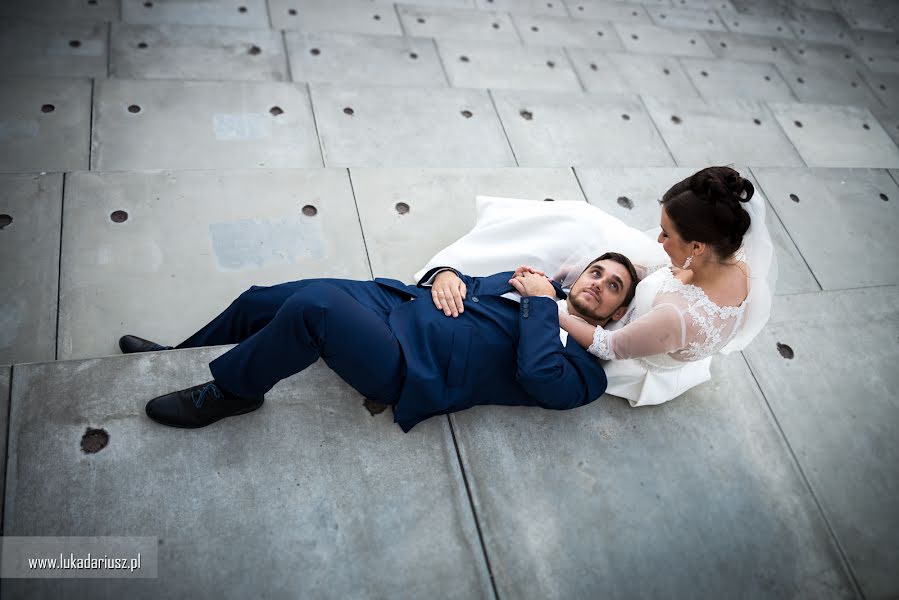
(659, 331)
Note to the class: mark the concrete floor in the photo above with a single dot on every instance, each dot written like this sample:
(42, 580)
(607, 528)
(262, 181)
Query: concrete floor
(161, 157)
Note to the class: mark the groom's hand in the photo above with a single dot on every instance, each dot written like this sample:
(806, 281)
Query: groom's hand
(448, 292)
(531, 284)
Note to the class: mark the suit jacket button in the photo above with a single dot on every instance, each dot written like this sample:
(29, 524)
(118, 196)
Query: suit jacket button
(475, 299)
(525, 313)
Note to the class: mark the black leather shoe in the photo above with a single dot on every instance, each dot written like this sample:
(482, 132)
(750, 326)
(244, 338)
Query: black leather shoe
(199, 406)
(129, 344)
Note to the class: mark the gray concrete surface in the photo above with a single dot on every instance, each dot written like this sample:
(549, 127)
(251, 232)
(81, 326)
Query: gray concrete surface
(772, 480)
(835, 401)
(308, 496)
(5, 390)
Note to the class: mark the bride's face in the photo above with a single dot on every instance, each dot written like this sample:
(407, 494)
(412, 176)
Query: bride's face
(672, 242)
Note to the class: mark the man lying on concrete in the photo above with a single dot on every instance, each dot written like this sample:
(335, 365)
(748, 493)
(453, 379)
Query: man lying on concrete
(491, 340)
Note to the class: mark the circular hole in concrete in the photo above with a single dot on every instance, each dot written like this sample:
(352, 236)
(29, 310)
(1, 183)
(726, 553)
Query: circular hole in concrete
(467, 114)
(693, 42)
(773, 48)
(625, 202)
(797, 123)
(549, 199)
(870, 59)
(254, 50)
(75, 44)
(402, 208)
(526, 114)
(779, 28)
(767, 78)
(420, 20)
(48, 108)
(883, 197)
(142, 45)
(855, 84)
(377, 17)
(134, 108)
(534, 28)
(310, 211)
(711, 22)
(549, 5)
(801, 51)
(148, 4)
(413, 55)
(757, 121)
(463, 58)
(600, 33)
(94, 440)
(580, 8)
(724, 44)
(676, 120)
(666, 71)
(6, 220)
(348, 111)
(119, 216)
(704, 73)
(315, 52)
(496, 25)
(847, 56)
(275, 111)
(242, 9)
(794, 197)
(92, 2)
(635, 13)
(292, 12)
(866, 126)
(550, 64)
(785, 351)
(626, 117)
(635, 36)
(736, 23)
(800, 80)
(883, 87)
(802, 31)
(594, 67)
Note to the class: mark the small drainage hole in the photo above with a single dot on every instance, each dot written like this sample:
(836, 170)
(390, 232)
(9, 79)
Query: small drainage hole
(119, 216)
(402, 208)
(94, 440)
(310, 211)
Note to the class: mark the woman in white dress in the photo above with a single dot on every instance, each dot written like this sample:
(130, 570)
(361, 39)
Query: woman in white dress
(714, 296)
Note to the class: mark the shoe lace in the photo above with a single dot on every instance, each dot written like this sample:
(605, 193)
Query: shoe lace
(210, 389)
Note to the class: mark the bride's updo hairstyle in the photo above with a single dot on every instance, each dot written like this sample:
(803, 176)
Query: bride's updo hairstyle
(707, 207)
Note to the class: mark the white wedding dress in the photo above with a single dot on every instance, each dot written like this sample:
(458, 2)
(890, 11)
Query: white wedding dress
(665, 343)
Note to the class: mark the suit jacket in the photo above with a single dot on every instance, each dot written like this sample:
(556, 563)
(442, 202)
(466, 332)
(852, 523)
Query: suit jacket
(496, 352)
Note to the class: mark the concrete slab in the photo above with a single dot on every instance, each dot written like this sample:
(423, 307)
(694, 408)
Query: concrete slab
(507, 66)
(756, 25)
(553, 31)
(382, 126)
(629, 480)
(185, 52)
(224, 13)
(753, 48)
(225, 230)
(621, 73)
(649, 39)
(847, 450)
(202, 124)
(547, 129)
(374, 17)
(42, 48)
(364, 59)
(689, 18)
(834, 86)
(441, 208)
(30, 220)
(609, 11)
(536, 7)
(428, 21)
(716, 78)
(62, 10)
(317, 495)
(825, 56)
(704, 132)
(843, 221)
(45, 124)
(889, 120)
(813, 127)
(633, 196)
(5, 385)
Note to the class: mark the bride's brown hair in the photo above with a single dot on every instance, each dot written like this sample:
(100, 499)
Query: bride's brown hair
(707, 207)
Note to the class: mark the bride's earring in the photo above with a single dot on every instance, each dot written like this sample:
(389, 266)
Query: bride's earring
(687, 264)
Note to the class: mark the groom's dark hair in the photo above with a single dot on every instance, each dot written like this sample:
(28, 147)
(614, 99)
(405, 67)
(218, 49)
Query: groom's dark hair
(626, 262)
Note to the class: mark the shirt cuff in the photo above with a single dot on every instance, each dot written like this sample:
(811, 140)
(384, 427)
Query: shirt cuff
(431, 279)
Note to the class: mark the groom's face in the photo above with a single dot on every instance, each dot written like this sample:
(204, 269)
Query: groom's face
(599, 292)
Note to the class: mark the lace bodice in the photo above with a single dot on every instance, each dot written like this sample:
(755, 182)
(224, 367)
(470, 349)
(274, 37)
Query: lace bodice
(682, 324)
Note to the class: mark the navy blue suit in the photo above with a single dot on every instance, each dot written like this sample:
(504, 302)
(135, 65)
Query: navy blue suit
(388, 340)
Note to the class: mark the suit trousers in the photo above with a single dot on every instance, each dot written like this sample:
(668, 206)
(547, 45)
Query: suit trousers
(282, 329)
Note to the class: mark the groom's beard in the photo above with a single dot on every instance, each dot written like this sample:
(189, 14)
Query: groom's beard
(594, 314)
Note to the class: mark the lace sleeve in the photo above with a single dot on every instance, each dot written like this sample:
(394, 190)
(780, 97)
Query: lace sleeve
(659, 331)
(645, 271)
